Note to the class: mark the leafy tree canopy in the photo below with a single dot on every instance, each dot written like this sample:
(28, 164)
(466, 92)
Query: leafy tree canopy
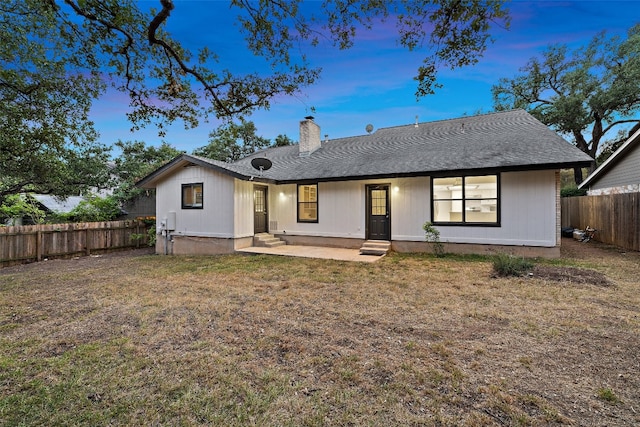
(48, 143)
(17, 206)
(93, 208)
(283, 140)
(58, 56)
(583, 94)
(118, 42)
(135, 162)
(232, 142)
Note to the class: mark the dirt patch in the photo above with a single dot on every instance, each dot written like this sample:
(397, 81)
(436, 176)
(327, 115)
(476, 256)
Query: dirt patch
(78, 262)
(570, 274)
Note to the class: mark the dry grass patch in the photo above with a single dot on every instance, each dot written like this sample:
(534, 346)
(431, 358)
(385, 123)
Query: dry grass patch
(259, 340)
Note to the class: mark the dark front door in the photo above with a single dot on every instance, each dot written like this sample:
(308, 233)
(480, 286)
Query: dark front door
(260, 215)
(378, 213)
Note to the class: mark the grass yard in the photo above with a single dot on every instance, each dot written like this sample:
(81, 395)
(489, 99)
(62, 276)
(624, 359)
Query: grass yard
(131, 339)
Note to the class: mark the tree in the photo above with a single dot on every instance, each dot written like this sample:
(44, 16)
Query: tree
(58, 56)
(47, 142)
(283, 141)
(584, 94)
(20, 206)
(232, 142)
(93, 208)
(134, 163)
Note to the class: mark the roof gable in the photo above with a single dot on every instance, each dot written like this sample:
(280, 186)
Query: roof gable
(186, 160)
(630, 145)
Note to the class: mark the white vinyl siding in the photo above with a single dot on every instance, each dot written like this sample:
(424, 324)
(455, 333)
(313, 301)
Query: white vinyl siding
(243, 206)
(528, 211)
(340, 210)
(215, 219)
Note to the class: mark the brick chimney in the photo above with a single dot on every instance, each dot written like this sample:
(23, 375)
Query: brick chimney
(309, 137)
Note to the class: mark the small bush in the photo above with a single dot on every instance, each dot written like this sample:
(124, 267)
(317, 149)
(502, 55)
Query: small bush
(509, 265)
(572, 192)
(432, 235)
(152, 236)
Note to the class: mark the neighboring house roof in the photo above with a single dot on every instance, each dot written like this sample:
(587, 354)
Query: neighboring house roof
(505, 141)
(616, 158)
(60, 205)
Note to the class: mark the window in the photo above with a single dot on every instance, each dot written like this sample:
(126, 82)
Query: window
(378, 202)
(192, 196)
(308, 203)
(465, 200)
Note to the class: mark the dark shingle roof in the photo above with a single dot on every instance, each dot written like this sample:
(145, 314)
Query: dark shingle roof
(502, 141)
(512, 140)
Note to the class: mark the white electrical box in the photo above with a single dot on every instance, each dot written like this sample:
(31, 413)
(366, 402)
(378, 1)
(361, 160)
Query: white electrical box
(171, 220)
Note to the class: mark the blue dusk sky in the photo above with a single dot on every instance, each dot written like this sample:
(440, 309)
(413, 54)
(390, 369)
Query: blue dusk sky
(373, 82)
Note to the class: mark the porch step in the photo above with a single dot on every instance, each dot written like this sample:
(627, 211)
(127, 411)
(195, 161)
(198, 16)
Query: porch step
(267, 240)
(375, 247)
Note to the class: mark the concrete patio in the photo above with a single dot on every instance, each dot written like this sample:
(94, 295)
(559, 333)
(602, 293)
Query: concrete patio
(339, 254)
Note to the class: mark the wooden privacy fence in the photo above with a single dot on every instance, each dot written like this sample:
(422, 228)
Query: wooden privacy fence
(615, 216)
(20, 244)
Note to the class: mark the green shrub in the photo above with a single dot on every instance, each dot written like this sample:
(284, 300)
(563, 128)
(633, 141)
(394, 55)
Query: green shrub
(572, 192)
(94, 208)
(509, 265)
(432, 235)
(16, 206)
(151, 234)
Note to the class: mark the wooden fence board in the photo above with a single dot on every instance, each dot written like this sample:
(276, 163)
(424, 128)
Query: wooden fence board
(615, 216)
(20, 244)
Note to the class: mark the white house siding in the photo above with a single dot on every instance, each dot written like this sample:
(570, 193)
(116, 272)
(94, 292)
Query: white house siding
(215, 219)
(243, 206)
(410, 208)
(528, 214)
(340, 210)
(528, 211)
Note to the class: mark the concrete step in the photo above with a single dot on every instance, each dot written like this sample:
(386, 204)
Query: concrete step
(267, 240)
(375, 247)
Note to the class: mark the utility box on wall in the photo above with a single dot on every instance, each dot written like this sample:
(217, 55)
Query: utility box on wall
(171, 220)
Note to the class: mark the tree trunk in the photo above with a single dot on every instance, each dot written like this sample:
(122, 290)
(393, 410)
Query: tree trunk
(577, 175)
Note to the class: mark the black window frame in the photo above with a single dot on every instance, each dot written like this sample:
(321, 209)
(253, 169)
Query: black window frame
(464, 199)
(299, 203)
(192, 185)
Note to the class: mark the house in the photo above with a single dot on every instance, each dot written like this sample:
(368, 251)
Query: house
(620, 173)
(53, 204)
(49, 205)
(488, 183)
